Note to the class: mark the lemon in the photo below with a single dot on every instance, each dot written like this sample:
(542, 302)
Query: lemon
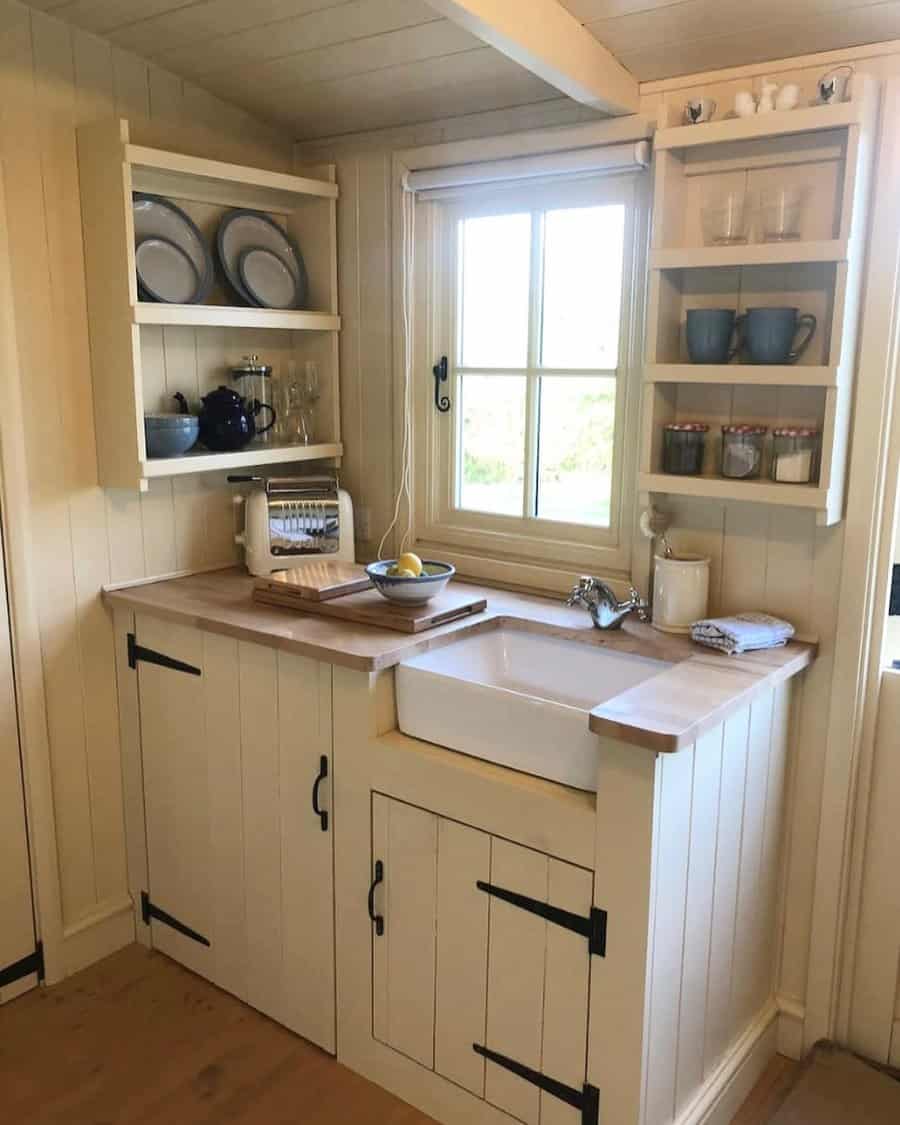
(404, 572)
(410, 562)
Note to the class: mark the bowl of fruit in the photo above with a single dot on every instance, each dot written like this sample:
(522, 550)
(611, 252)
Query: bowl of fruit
(408, 580)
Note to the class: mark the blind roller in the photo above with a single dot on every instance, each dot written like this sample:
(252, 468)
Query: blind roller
(433, 182)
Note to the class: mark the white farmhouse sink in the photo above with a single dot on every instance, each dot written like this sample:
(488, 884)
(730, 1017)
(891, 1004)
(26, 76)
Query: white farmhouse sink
(517, 698)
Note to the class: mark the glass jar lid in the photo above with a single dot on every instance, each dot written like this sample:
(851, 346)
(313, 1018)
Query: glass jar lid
(795, 431)
(732, 429)
(687, 427)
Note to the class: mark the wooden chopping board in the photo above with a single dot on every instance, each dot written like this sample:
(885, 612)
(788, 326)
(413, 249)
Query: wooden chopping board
(317, 580)
(370, 608)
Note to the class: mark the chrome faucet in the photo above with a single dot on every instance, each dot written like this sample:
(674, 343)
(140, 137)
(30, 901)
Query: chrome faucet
(606, 611)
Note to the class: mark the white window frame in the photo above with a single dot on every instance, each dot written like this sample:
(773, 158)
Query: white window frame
(535, 552)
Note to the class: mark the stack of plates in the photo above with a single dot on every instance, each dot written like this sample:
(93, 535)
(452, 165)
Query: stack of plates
(260, 260)
(262, 263)
(172, 261)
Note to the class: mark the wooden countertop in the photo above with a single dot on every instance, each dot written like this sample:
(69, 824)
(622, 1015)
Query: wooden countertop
(665, 713)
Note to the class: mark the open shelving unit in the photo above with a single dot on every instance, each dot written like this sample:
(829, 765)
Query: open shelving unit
(826, 150)
(143, 352)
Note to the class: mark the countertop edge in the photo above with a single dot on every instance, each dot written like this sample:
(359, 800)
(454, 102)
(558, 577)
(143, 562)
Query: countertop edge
(671, 740)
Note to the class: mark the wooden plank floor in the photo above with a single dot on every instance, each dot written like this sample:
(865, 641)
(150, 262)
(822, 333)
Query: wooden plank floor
(137, 1040)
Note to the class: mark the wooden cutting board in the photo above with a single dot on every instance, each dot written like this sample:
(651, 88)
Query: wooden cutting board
(317, 580)
(370, 608)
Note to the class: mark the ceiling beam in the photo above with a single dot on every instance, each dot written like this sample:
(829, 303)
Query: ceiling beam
(547, 40)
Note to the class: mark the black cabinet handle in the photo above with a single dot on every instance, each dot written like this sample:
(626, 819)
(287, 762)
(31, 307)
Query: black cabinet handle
(322, 814)
(379, 878)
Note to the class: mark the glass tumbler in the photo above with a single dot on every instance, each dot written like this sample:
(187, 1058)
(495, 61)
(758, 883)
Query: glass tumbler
(726, 219)
(781, 212)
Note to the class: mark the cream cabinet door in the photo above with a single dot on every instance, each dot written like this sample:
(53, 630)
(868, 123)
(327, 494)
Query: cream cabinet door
(17, 942)
(236, 752)
(472, 977)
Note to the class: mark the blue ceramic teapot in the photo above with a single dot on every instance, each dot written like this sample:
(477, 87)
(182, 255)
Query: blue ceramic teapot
(228, 422)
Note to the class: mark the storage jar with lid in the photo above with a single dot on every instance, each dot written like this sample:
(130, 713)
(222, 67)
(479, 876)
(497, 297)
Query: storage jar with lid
(796, 454)
(683, 447)
(742, 451)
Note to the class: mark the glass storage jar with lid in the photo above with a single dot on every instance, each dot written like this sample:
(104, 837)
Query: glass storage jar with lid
(683, 447)
(796, 453)
(742, 451)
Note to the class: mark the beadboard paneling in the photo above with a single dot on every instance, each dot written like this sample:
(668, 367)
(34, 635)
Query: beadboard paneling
(54, 77)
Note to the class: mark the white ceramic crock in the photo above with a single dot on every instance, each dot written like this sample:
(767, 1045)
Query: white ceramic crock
(680, 592)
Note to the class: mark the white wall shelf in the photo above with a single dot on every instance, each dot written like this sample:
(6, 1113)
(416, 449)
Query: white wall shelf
(720, 488)
(827, 152)
(203, 462)
(808, 119)
(233, 316)
(742, 374)
(200, 342)
(749, 254)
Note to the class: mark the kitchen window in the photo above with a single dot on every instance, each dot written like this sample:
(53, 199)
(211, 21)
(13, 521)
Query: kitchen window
(528, 292)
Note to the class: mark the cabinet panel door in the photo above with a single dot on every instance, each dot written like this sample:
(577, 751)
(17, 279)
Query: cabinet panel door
(518, 942)
(566, 992)
(176, 765)
(235, 850)
(285, 731)
(464, 857)
(16, 916)
(538, 984)
(404, 840)
(307, 868)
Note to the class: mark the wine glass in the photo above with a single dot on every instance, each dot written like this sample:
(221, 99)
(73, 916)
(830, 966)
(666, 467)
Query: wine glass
(307, 389)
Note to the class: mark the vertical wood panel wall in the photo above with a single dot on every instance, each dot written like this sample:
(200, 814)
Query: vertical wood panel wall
(774, 560)
(53, 78)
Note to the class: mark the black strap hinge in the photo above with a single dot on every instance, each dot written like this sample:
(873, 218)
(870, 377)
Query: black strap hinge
(137, 652)
(33, 963)
(150, 910)
(586, 1100)
(593, 927)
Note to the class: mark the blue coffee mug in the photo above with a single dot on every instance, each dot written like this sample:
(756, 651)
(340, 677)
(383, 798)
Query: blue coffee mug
(768, 335)
(710, 334)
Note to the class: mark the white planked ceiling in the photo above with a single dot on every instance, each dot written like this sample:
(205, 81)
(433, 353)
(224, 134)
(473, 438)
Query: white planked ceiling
(323, 67)
(319, 67)
(664, 38)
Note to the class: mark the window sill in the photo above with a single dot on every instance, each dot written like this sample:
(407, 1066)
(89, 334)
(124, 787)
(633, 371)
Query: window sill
(541, 579)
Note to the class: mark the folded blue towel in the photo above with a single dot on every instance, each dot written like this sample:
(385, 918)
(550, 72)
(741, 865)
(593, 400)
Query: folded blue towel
(743, 632)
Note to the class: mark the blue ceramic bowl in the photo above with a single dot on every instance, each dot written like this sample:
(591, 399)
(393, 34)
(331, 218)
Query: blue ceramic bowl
(170, 435)
(410, 591)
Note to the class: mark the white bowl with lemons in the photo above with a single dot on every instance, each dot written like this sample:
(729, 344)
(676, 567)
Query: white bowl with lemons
(409, 580)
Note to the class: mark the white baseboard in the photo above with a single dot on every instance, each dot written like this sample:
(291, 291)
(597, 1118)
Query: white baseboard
(791, 1018)
(109, 928)
(720, 1097)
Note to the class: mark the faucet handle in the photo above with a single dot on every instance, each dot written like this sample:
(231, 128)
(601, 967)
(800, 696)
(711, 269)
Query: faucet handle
(580, 590)
(641, 607)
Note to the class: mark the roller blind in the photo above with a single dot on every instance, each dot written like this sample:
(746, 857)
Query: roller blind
(436, 182)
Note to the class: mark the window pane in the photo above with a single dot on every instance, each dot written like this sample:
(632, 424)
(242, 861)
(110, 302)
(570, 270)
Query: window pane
(495, 253)
(583, 249)
(576, 449)
(492, 461)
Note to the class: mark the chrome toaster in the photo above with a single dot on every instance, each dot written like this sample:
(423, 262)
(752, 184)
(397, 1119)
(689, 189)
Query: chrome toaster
(289, 519)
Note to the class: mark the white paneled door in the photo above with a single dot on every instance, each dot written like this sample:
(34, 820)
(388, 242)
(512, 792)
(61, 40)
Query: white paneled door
(17, 941)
